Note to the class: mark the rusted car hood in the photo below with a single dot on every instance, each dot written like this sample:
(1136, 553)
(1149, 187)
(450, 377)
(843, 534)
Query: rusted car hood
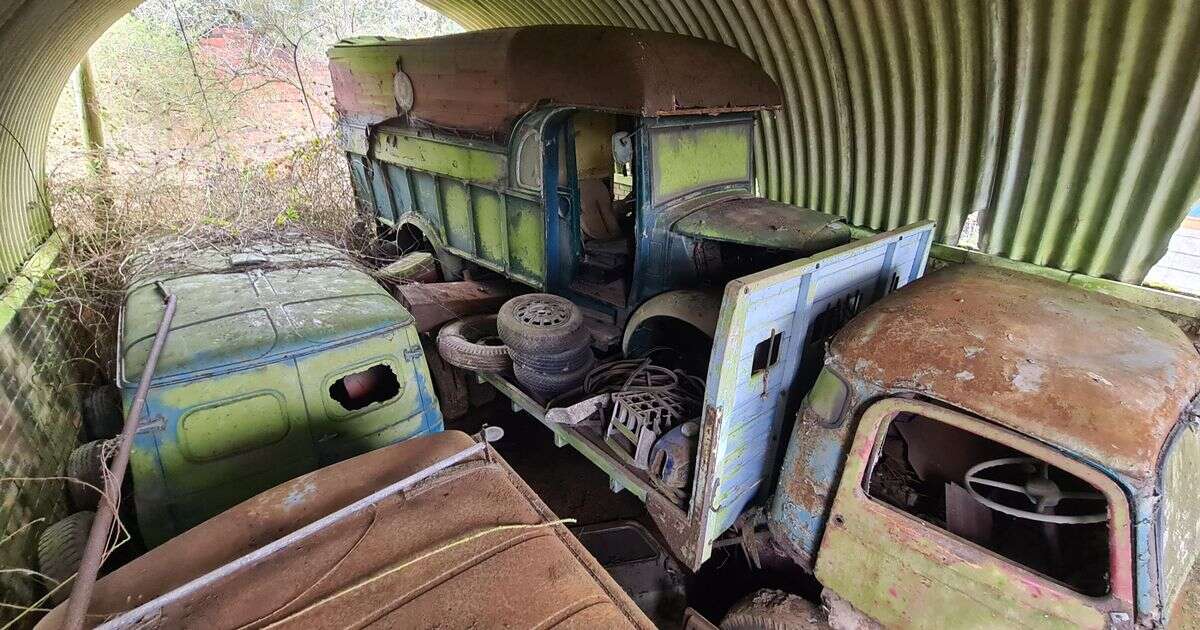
(536, 576)
(1089, 373)
(765, 223)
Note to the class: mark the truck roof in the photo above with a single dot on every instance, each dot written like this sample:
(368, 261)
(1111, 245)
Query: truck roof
(483, 81)
(1077, 369)
(248, 306)
(469, 546)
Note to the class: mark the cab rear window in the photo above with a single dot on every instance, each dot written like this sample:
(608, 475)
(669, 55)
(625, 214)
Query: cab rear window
(358, 390)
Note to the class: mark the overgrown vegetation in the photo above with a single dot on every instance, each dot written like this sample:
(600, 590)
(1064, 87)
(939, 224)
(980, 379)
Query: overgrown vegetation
(219, 130)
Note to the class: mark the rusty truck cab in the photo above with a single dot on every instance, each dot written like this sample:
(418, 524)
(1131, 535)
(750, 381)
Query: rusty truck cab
(501, 148)
(993, 446)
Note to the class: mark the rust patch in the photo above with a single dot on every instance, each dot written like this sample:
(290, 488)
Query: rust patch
(347, 575)
(1085, 371)
(483, 81)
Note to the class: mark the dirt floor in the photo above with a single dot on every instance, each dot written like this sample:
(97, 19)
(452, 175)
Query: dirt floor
(567, 482)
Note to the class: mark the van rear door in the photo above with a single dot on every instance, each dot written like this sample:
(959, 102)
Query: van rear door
(767, 350)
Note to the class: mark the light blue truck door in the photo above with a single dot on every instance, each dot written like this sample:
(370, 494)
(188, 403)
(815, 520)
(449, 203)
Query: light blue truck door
(767, 320)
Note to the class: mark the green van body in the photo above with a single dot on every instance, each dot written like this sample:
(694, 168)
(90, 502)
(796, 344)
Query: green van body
(246, 394)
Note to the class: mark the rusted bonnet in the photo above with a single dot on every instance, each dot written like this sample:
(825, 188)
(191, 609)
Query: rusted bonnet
(1087, 372)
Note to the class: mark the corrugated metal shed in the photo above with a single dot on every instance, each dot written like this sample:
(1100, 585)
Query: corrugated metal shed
(1070, 127)
(41, 42)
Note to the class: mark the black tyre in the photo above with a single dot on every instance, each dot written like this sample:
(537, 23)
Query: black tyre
(766, 609)
(472, 343)
(540, 323)
(60, 550)
(548, 385)
(103, 416)
(87, 465)
(567, 361)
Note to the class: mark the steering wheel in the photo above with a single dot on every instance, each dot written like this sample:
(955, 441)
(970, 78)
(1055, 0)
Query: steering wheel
(1040, 489)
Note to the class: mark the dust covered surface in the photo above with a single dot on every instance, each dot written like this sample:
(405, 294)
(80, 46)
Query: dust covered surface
(373, 569)
(1084, 371)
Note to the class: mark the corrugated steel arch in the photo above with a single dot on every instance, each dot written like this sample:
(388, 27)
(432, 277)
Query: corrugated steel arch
(42, 41)
(1070, 127)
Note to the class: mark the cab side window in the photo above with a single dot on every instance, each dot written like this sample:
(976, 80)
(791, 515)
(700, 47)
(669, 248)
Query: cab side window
(1014, 505)
(529, 161)
(1180, 517)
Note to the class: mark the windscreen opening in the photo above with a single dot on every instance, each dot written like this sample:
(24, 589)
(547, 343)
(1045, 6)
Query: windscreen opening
(1014, 505)
(357, 390)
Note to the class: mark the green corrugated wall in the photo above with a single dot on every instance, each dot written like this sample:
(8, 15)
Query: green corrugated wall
(1070, 125)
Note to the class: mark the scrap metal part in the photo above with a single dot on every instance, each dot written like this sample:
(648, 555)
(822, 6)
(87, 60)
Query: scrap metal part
(586, 412)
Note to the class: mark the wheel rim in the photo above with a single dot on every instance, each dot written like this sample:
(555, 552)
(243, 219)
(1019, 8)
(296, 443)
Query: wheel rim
(541, 313)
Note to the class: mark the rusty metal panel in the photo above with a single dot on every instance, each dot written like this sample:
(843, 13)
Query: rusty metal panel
(1070, 127)
(482, 82)
(1111, 391)
(898, 567)
(464, 544)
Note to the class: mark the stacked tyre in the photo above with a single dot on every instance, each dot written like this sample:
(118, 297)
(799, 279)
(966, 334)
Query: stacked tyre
(549, 346)
(471, 343)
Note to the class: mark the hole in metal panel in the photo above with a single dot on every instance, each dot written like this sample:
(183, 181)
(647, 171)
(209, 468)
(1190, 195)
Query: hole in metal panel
(359, 389)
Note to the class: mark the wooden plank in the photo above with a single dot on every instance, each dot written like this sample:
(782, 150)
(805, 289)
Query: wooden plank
(435, 304)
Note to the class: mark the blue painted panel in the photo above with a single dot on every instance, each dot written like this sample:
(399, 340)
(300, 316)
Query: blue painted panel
(384, 208)
(795, 301)
(426, 198)
(402, 194)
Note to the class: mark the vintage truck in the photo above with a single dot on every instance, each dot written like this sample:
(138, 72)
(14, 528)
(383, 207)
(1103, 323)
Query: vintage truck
(282, 357)
(979, 448)
(489, 148)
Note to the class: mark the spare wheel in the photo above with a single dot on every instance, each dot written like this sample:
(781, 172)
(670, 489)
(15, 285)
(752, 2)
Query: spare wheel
(471, 343)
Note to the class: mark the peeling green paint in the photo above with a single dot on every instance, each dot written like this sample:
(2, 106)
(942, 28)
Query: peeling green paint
(245, 395)
(687, 159)
(453, 160)
(905, 573)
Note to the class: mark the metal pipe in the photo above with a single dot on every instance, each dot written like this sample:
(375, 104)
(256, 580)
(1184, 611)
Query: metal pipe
(93, 554)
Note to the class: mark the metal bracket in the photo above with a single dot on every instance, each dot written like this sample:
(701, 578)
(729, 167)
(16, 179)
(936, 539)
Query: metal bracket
(157, 423)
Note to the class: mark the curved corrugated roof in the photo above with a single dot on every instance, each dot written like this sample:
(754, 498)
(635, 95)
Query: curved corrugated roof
(42, 41)
(1071, 127)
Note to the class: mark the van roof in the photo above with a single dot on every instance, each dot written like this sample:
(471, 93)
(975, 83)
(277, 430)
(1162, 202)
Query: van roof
(483, 81)
(1080, 370)
(254, 307)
